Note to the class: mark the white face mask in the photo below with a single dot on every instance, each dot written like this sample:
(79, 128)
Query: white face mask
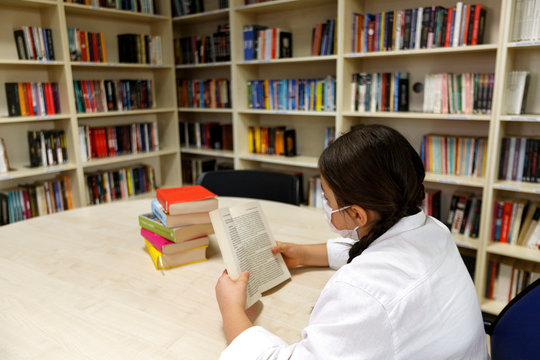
(349, 234)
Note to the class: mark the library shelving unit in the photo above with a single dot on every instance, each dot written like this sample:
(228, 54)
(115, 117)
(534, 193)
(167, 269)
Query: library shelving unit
(203, 24)
(497, 54)
(58, 16)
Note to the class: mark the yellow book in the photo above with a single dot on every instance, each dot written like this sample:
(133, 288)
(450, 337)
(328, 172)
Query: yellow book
(430, 152)
(251, 142)
(103, 47)
(266, 95)
(22, 99)
(257, 139)
(318, 100)
(484, 157)
(382, 34)
(162, 262)
(130, 181)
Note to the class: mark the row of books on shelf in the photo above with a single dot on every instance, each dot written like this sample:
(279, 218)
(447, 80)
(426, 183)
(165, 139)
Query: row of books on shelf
(526, 21)
(192, 168)
(139, 48)
(263, 43)
(464, 214)
(34, 43)
(187, 7)
(323, 38)
(110, 141)
(203, 49)
(419, 28)
(293, 94)
(210, 135)
(86, 46)
(380, 92)
(142, 6)
(176, 231)
(4, 161)
(467, 93)
(516, 222)
(454, 155)
(32, 98)
(272, 140)
(517, 84)
(519, 159)
(505, 280)
(212, 93)
(112, 95)
(111, 185)
(431, 204)
(47, 147)
(28, 201)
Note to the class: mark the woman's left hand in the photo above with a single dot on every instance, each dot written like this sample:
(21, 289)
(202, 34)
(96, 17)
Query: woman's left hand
(231, 294)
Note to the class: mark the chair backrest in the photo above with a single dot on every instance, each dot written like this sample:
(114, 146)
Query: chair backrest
(515, 333)
(256, 184)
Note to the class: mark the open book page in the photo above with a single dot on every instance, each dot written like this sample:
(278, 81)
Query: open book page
(245, 242)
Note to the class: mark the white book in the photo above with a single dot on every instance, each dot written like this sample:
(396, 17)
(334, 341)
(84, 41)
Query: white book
(418, 34)
(82, 143)
(457, 24)
(518, 18)
(511, 154)
(501, 287)
(245, 241)
(397, 35)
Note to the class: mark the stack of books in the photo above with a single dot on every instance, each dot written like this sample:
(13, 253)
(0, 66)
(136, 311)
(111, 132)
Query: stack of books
(176, 231)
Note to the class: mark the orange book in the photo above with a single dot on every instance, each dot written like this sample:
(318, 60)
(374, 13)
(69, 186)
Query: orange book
(103, 51)
(186, 199)
(22, 99)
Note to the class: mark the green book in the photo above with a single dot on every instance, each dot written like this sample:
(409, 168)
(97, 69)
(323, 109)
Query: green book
(176, 234)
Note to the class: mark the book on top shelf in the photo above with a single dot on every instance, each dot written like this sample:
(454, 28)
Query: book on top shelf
(173, 221)
(419, 28)
(142, 6)
(176, 234)
(245, 241)
(186, 199)
(519, 159)
(517, 84)
(166, 261)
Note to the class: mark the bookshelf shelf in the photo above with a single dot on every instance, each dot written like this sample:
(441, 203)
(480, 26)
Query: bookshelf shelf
(205, 65)
(516, 186)
(424, 52)
(206, 110)
(524, 45)
(290, 60)
(24, 119)
(278, 5)
(492, 306)
(94, 11)
(417, 115)
(297, 161)
(218, 14)
(125, 113)
(466, 242)
(126, 158)
(13, 62)
(289, 112)
(455, 180)
(521, 118)
(209, 152)
(81, 64)
(514, 251)
(22, 172)
(30, 3)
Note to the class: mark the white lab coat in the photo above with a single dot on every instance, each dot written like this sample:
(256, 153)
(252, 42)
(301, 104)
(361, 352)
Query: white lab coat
(407, 296)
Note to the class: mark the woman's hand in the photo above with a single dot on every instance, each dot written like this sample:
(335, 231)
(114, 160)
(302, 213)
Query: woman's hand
(292, 253)
(231, 297)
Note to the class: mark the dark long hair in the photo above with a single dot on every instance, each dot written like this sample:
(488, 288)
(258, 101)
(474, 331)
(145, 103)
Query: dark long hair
(375, 167)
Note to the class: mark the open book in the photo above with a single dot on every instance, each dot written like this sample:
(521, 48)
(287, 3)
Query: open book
(246, 244)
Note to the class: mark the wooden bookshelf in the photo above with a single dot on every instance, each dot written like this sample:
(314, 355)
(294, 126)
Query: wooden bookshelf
(499, 54)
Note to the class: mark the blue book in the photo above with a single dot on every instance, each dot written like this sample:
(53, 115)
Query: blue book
(158, 211)
(248, 42)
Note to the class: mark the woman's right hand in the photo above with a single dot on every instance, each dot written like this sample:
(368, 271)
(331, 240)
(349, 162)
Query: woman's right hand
(292, 253)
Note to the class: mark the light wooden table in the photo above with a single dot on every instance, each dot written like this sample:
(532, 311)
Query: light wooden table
(80, 285)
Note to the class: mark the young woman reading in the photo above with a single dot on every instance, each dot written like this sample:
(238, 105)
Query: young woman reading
(401, 290)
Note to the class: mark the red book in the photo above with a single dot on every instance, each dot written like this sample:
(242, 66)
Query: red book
(476, 23)
(50, 99)
(91, 96)
(86, 96)
(506, 217)
(492, 278)
(103, 142)
(466, 26)
(84, 45)
(315, 48)
(95, 49)
(449, 27)
(186, 199)
(274, 43)
(371, 36)
(28, 89)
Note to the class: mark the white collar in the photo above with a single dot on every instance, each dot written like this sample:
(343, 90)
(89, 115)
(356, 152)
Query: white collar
(404, 224)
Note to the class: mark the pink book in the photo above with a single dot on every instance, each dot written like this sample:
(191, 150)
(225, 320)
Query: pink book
(157, 241)
(165, 246)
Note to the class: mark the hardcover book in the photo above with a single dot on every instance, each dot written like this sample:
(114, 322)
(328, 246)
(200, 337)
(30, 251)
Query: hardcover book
(186, 199)
(176, 234)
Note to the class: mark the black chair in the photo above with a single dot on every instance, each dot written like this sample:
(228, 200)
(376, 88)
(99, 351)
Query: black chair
(265, 185)
(515, 332)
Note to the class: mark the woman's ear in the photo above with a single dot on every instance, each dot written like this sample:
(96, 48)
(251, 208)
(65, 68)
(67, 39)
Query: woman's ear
(360, 215)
